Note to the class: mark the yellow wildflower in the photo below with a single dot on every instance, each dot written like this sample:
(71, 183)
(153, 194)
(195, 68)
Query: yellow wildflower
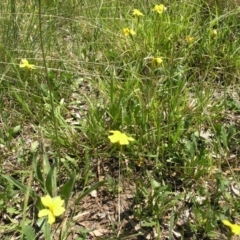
(214, 33)
(119, 137)
(159, 8)
(127, 31)
(54, 210)
(137, 13)
(235, 229)
(189, 39)
(24, 63)
(156, 61)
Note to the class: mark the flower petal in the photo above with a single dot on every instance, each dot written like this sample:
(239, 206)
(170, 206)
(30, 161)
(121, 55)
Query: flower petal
(235, 228)
(31, 66)
(130, 139)
(58, 211)
(159, 8)
(123, 141)
(47, 201)
(23, 63)
(57, 206)
(58, 202)
(132, 32)
(51, 218)
(43, 213)
(48, 213)
(137, 13)
(126, 32)
(115, 137)
(122, 138)
(115, 131)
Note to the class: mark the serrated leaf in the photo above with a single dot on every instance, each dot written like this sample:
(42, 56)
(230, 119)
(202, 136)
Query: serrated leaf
(12, 210)
(28, 232)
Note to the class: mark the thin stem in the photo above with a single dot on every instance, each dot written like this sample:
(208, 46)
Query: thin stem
(26, 200)
(50, 93)
(119, 185)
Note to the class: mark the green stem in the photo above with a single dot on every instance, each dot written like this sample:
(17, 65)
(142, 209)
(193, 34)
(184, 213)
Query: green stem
(50, 93)
(119, 184)
(26, 202)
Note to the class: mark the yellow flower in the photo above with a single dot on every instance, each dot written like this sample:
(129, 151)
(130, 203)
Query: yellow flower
(119, 137)
(137, 13)
(159, 8)
(54, 210)
(156, 61)
(24, 63)
(235, 229)
(214, 33)
(189, 39)
(127, 31)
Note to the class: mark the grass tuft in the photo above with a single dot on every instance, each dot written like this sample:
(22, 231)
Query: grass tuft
(165, 76)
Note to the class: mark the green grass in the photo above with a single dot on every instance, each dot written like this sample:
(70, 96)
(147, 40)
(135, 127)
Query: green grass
(179, 179)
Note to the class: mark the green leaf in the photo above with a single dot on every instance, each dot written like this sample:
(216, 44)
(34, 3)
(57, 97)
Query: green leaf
(38, 171)
(28, 232)
(45, 228)
(224, 138)
(154, 183)
(34, 146)
(46, 165)
(50, 182)
(16, 129)
(19, 185)
(67, 188)
(148, 224)
(38, 203)
(85, 193)
(12, 210)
